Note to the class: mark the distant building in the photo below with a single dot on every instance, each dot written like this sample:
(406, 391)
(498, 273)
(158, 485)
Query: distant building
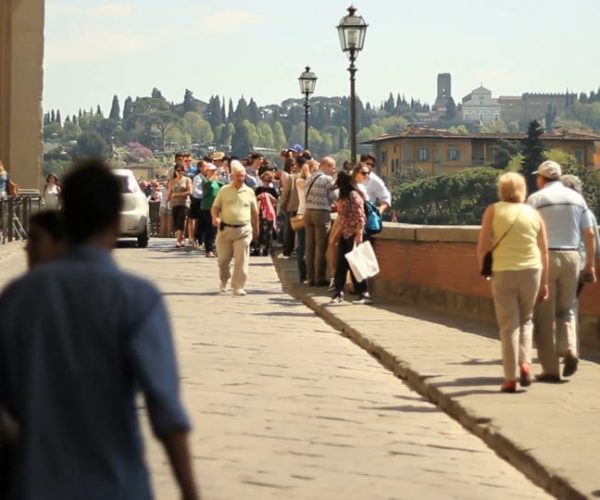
(441, 152)
(531, 106)
(480, 107)
(444, 92)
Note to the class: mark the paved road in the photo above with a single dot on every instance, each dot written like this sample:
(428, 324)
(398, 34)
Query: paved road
(284, 407)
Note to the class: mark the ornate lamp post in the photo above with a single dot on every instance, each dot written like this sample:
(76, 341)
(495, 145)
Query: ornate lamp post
(352, 30)
(308, 82)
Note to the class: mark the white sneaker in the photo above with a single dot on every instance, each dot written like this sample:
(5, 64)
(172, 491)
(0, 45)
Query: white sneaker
(239, 291)
(223, 287)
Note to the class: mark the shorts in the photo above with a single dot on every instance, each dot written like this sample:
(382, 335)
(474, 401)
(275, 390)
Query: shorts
(179, 213)
(194, 210)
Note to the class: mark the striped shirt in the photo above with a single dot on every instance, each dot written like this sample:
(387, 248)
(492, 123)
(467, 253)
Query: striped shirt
(320, 192)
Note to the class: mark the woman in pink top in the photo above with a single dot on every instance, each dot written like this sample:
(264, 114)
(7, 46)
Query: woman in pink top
(349, 232)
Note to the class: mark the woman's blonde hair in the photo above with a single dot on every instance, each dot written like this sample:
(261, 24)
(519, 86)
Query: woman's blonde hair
(512, 187)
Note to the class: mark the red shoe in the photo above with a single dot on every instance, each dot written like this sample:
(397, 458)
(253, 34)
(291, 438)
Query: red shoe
(525, 376)
(509, 386)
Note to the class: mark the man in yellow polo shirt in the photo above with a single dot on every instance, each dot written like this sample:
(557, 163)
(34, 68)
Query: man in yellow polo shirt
(235, 213)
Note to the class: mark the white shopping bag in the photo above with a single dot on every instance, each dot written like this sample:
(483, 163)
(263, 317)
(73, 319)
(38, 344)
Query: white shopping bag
(362, 261)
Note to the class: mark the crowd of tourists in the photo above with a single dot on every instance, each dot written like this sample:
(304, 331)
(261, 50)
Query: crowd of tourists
(234, 209)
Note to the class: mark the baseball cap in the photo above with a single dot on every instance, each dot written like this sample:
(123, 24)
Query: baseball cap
(297, 148)
(549, 169)
(218, 155)
(211, 166)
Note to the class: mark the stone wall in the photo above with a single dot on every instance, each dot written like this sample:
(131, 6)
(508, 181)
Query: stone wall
(436, 267)
(21, 83)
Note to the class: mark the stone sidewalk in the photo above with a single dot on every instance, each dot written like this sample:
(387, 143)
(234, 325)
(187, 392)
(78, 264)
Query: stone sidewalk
(283, 406)
(549, 431)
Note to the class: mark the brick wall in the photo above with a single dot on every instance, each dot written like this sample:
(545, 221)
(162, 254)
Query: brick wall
(436, 266)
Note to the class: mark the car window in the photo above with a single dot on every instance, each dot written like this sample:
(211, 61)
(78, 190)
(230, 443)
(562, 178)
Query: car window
(127, 184)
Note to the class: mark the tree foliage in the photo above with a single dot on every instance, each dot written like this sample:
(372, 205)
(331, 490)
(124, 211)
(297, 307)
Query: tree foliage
(459, 198)
(534, 153)
(92, 144)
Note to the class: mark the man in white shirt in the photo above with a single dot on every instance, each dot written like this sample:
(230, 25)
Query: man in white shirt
(374, 187)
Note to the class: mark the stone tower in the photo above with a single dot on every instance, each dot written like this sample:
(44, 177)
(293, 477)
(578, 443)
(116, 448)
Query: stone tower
(444, 91)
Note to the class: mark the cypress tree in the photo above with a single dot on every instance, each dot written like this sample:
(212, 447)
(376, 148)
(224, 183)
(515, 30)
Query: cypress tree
(533, 154)
(127, 108)
(115, 109)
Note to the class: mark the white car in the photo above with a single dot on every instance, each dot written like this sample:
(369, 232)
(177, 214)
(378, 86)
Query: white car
(135, 212)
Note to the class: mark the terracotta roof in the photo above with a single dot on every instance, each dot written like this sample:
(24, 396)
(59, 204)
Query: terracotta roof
(429, 133)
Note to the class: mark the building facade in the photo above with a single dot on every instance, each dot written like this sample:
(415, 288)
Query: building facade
(531, 106)
(21, 83)
(480, 107)
(439, 152)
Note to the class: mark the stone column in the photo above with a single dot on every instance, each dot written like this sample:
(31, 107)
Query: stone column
(21, 83)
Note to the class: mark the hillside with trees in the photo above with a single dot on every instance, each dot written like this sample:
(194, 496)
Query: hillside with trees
(150, 129)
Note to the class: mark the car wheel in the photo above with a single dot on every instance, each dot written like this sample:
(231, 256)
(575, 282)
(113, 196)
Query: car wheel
(142, 239)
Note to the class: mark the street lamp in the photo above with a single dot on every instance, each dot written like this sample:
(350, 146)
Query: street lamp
(352, 30)
(308, 82)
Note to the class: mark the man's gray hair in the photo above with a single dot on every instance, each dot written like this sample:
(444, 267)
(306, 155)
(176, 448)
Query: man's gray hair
(237, 167)
(573, 182)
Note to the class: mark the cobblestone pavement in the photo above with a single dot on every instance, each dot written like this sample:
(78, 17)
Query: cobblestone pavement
(285, 407)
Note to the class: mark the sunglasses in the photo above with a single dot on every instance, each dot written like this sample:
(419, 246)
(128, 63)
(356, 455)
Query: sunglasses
(365, 172)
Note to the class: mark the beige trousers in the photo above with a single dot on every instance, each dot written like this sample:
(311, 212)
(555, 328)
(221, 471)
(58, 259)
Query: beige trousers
(514, 294)
(316, 229)
(555, 326)
(234, 243)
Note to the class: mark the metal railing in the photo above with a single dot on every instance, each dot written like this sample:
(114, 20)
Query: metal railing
(14, 216)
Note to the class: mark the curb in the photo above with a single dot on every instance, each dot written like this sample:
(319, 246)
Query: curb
(554, 484)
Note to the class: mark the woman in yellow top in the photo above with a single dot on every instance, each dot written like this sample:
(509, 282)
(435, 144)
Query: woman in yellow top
(520, 273)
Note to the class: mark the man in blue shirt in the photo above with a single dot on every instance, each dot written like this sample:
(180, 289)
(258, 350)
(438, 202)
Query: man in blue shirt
(567, 217)
(78, 339)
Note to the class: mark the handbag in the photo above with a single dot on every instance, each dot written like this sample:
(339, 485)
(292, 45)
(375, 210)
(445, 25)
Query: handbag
(362, 261)
(488, 258)
(374, 222)
(297, 222)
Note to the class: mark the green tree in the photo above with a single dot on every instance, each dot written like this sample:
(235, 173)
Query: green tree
(241, 111)
(588, 177)
(241, 142)
(115, 110)
(265, 135)
(279, 138)
(198, 128)
(91, 144)
(534, 153)
(226, 135)
(503, 151)
(127, 108)
(391, 124)
(52, 132)
(188, 101)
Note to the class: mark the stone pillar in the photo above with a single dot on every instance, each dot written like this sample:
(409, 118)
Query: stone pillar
(21, 83)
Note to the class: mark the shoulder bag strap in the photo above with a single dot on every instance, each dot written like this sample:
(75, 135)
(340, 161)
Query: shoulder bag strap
(311, 185)
(506, 232)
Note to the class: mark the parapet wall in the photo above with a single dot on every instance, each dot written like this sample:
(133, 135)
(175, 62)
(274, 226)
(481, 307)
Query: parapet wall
(436, 267)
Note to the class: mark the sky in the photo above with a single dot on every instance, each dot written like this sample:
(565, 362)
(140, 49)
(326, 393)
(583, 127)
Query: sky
(95, 49)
